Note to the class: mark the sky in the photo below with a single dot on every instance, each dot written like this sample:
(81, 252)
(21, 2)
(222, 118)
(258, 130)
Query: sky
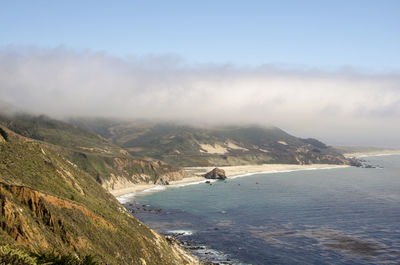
(324, 69)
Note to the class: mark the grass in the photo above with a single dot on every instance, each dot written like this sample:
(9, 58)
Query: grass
(91, 222)
(180, 145)
(18, 256)
(89, 151)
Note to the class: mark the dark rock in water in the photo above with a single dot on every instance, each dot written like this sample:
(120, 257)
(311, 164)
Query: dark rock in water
(355, 162)
(172, 240)
(216, 173)
(208, 182)
(368, 166)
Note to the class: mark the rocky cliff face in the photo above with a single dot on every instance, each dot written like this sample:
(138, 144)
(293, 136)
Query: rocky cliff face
(48, 204)
(127, 173)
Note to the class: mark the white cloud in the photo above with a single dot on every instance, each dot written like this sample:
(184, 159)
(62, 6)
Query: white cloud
(339, 107)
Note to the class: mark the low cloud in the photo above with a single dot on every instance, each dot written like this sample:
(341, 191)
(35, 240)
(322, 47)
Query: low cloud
(342, 107)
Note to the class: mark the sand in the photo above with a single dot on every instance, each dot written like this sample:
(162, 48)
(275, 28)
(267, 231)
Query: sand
(230, 171)
(373, 153)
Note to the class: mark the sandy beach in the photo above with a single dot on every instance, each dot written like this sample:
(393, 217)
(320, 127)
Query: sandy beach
(373, 153)
(196, 173)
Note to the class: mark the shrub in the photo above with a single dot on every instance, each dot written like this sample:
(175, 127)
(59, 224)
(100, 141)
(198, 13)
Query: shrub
(64, 259)
(15, 256)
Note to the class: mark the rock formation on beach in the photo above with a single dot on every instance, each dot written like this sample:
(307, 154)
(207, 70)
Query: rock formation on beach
(216, 173)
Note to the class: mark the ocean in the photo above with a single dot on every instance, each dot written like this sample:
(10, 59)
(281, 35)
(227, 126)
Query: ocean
(328, 216)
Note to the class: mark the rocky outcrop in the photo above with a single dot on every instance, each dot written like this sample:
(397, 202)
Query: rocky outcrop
(118, 182)
(161, 181)
(47, 204)
(3, 135)
(21, 205)
(216, 173)
(355, 162)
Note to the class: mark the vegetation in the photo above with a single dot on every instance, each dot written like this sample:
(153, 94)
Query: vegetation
(49, 204)
(181, 145)
(17, 256)
(89, 151)
(60, 259)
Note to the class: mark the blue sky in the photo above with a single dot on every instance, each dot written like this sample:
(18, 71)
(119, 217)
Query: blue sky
(364, 34)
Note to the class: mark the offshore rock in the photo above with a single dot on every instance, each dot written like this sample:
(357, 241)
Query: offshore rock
(216, 173)
(355, 162)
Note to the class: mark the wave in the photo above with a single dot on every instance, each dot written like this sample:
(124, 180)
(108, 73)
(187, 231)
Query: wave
(191, 183)
(126, 197)
(181, 232)
(129, 196)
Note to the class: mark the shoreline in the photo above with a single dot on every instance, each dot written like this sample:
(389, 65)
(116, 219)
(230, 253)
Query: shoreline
(372, 153)
(232, 172)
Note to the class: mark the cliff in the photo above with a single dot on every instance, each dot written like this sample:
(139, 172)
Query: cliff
(48, 204)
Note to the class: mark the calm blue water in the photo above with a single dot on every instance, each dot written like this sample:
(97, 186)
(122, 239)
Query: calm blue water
(334, 216)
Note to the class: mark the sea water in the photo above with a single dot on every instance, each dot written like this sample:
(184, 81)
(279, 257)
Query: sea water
(332, 216)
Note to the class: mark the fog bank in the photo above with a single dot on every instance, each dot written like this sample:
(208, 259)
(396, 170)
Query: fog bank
(342, 107)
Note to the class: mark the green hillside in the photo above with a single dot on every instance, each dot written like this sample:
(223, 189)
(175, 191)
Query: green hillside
(182, 145)
(49, 205)
(106, 162)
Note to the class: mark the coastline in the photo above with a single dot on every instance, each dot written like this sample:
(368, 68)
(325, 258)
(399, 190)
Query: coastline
(373, 153)
(231, 172)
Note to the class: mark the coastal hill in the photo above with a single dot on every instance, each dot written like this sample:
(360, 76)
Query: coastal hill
(184, 145)
(120, 154)
(54, 177)
(110, 165)
(49, 205)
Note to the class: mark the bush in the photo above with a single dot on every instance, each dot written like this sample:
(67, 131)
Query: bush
(60, 259)
(15, 256)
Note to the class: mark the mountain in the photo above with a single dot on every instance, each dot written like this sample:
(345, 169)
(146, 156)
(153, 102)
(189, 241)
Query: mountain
(184, 145)
(111, 166)
(48, 204)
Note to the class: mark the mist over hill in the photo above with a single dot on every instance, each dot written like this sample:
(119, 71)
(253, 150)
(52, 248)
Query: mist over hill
(181, 144)
(336, 106)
